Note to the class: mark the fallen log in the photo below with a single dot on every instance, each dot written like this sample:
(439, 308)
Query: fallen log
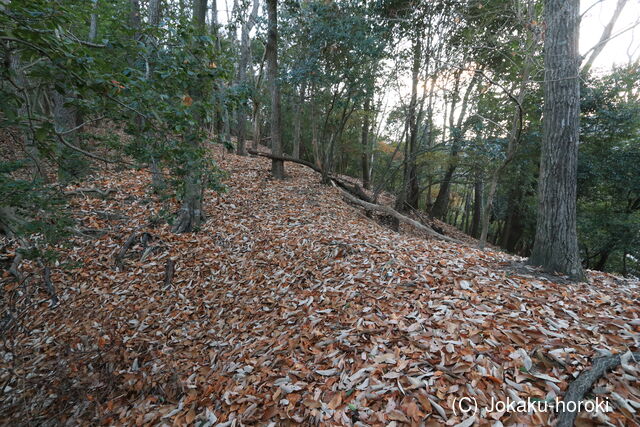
(392, 212)
(584, 382)
(285, 158)
(354, 194)
(84, 191)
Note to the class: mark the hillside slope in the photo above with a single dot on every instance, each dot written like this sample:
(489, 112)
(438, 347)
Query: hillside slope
(291, 306)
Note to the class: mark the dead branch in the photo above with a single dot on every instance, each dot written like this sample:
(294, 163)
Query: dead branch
(392, 212)
(111, 216)
(48, 285)
(584, 382)
(356, 195)
(89, 233)
(286, 159)
(15, 267)
(83, 191)
(124, 249)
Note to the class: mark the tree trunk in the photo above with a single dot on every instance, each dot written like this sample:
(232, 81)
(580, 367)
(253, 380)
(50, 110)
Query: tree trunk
(245, 58)
(556, 242)
(477, 207)
(26, 109)
(191, 214)
(408, 197)
(366, 177)
(93, 26)
(297, 122)
(157, 180)
(277, 166)
(314, 129)
(439, 209)
(457, 134)
(70, 164)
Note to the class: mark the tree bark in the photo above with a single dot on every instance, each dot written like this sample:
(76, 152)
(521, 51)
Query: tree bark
(556, 242)
(157, 180)
(408, 197)
(245, 58)
(191, 215)
(439, 209)
(277, 166)
(366, 177)
(477, 207)
(26, 109)
(93, 26)
(297, 122)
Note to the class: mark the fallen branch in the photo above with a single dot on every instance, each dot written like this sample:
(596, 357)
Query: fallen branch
(48, 284)
(286, 159)
(356, 195)
(83, 191)
(584, 382)
(392, 212)
(111, 216)
(89, 233)
(124, 249)
(15, 267)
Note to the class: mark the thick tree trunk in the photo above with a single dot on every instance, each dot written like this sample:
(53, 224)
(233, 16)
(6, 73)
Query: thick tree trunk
(277, 166)
(157, 179)
(154, 12)
(513, 227)
(556, 241)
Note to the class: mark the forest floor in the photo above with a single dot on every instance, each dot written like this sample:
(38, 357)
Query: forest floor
(291, 306)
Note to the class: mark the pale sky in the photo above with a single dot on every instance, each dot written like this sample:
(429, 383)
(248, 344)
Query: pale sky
(618, 49)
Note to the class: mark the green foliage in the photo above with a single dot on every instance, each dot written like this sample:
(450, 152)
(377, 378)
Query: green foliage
(158, 83)
(608, 178)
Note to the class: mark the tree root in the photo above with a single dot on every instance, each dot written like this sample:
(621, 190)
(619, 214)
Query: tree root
(584, 382)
